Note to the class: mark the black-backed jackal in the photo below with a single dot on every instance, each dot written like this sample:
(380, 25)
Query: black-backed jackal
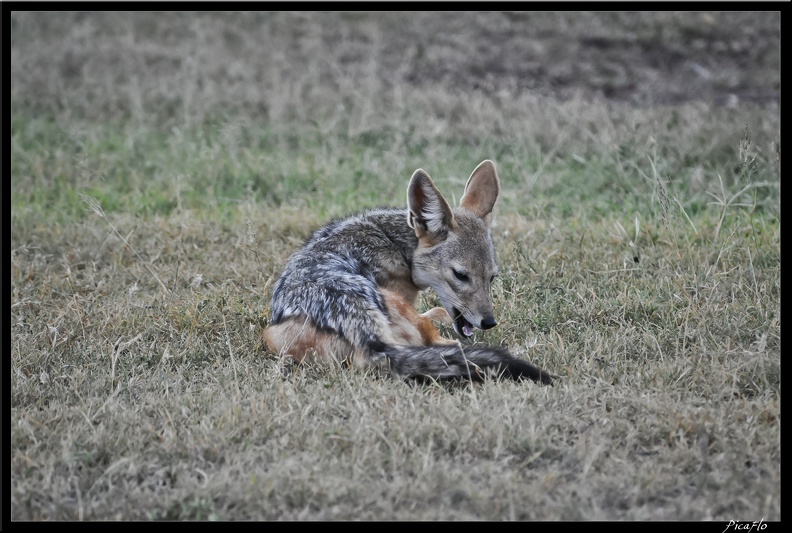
(348, 294)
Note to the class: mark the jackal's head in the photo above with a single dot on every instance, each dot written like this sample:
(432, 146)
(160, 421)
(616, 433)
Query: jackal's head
(455, 255)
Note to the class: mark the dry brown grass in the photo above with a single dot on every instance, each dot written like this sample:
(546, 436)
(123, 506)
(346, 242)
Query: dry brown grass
(214, 144)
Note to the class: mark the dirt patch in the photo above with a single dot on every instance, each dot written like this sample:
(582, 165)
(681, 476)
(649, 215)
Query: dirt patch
(642, 58)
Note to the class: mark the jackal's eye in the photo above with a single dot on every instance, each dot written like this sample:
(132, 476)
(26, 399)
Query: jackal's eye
(461, 276)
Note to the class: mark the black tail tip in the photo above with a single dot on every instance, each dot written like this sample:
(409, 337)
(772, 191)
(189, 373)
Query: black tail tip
(519, 369)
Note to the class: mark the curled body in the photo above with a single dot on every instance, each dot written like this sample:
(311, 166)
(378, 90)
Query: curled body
(348, 295)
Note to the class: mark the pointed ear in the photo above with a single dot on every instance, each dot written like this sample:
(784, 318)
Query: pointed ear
(427, 211)
(482, 191)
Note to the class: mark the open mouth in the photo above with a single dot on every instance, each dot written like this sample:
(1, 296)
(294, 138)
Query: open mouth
(462, 326)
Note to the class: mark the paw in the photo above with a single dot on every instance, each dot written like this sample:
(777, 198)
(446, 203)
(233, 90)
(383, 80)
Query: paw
(439, 314)
(442, 341)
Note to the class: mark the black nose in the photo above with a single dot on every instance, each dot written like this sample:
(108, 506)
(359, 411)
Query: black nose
(488, 322)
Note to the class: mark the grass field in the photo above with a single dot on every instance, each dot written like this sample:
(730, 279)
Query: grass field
(165, 166)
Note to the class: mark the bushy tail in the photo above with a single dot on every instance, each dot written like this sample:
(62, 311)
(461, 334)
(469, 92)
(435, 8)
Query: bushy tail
(454, 362)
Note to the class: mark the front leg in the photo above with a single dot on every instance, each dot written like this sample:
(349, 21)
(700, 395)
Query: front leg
(409, 327)
(441, 316)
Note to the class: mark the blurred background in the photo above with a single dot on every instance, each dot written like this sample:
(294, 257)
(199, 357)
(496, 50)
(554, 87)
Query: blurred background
(171, 109)
(179, 68)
